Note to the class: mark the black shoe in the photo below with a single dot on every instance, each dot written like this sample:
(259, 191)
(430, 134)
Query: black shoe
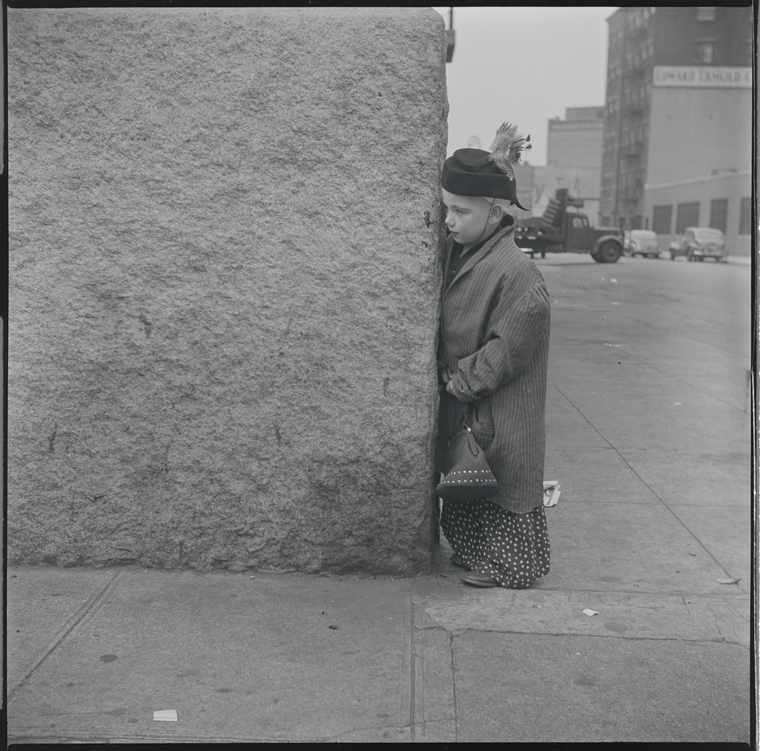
(476, 579)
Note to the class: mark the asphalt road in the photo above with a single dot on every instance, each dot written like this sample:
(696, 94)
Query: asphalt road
(697, 312)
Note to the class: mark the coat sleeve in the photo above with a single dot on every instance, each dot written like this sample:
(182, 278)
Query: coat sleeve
(512, 335)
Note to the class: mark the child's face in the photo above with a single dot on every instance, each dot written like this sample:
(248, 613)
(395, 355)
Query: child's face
(466, 217)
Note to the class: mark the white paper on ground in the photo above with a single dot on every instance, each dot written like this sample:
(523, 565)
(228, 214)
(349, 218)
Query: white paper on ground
(589, 611)
(551, 492)
(165, 715)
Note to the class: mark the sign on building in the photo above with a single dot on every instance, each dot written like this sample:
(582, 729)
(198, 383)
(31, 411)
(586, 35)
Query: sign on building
(702, 76)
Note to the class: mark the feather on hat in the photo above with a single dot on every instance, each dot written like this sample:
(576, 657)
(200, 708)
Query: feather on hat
(507, 148)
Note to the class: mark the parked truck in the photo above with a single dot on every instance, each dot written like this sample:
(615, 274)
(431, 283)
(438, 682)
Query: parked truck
(562, 231)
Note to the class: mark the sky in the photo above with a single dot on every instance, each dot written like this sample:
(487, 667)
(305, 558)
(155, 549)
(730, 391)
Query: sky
(523, 65)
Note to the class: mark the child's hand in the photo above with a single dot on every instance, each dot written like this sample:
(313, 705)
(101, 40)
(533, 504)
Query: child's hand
(446, 376)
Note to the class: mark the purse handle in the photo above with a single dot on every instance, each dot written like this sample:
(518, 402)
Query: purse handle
(466, 421)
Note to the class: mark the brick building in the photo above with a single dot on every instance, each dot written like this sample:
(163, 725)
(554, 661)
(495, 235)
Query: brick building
(678, 126)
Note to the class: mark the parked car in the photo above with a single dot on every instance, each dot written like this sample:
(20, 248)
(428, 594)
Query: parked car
(698, 243)
(642, 242)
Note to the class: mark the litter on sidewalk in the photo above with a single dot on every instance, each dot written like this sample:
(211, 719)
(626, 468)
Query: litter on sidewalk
(165, 715)
(589, 611)
(551, 492)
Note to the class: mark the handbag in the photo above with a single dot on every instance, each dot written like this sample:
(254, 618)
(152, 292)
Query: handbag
(467, 476)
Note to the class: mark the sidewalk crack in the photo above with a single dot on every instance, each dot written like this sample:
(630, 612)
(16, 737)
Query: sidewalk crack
(454, 687)
(84, 613)
(412, 674)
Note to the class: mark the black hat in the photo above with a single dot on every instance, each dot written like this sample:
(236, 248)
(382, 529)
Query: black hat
(474, 172)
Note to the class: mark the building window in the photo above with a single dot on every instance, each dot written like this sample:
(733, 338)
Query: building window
(745, 217)
(705, 51)
(662, 218)
(718, 213)
(687, 215)
(706, 13)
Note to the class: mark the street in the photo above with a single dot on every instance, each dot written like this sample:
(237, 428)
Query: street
(648, 413)
(640, 632)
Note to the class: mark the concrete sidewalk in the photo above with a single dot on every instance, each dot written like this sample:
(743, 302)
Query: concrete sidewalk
(647, 431)
(93, 654)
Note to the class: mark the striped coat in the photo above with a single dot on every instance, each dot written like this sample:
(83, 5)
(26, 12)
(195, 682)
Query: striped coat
(494, 338)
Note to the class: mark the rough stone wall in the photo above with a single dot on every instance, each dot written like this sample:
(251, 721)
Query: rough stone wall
(224, 246)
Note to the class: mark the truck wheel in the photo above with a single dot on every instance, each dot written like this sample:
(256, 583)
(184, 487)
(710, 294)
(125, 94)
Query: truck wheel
(609, 252)
(597, 258)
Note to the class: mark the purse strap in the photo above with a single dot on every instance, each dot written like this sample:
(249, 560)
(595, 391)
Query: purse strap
(466, 423)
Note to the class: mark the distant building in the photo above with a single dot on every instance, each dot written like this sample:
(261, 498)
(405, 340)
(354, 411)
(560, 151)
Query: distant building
(577, 140)
(678, 125)
(574, 160)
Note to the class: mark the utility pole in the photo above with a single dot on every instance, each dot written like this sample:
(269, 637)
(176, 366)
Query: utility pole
(450, 37)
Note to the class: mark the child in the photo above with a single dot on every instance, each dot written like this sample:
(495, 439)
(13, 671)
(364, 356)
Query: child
(493, 354)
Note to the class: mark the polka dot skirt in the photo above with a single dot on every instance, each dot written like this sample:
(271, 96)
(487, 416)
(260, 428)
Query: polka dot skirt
(511, 548)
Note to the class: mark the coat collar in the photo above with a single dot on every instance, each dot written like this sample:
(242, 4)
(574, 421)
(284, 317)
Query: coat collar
(507, 227)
